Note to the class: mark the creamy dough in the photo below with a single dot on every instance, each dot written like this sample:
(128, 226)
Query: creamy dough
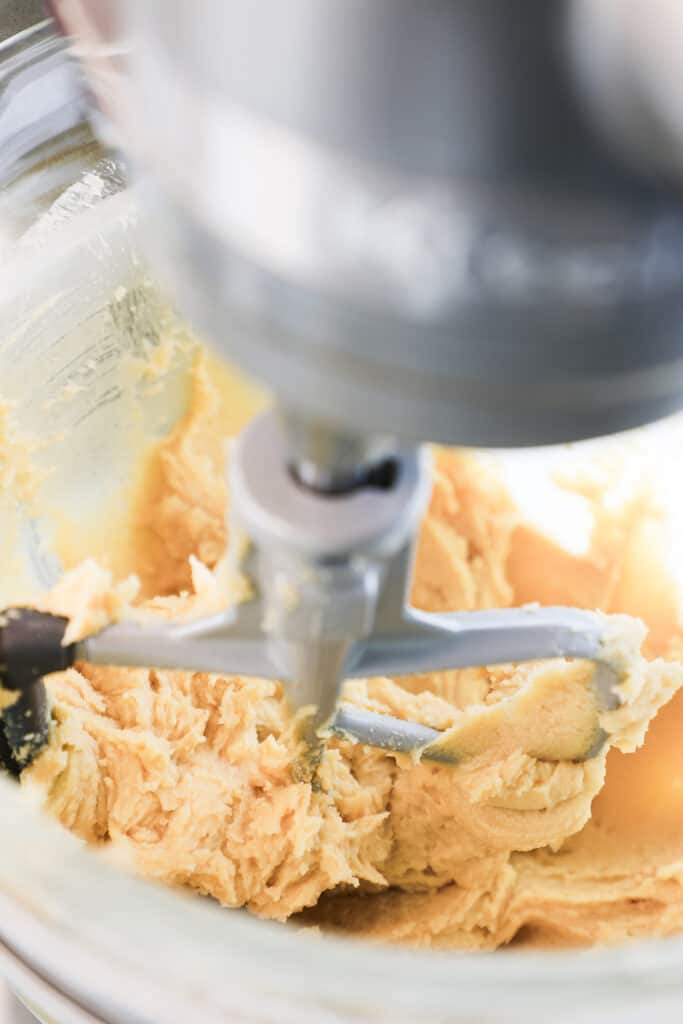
(190, 776)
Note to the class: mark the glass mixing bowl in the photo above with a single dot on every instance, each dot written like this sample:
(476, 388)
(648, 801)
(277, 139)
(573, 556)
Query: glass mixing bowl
(82, 940)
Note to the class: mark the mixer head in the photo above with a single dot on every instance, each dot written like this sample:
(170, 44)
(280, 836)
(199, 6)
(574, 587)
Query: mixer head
(373, 210)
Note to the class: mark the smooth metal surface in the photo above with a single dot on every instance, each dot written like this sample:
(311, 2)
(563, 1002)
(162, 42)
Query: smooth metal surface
(382, 731)
(326, 459)
(407, 235)
(422, 642)
(129, 643)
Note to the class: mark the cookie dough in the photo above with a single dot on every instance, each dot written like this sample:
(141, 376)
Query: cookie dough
(189, 776)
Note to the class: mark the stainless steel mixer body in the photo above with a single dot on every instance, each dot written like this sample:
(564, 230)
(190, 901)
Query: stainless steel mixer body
(405, 217)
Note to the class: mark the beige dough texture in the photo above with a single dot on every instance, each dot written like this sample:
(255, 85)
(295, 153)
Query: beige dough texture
(191, 776)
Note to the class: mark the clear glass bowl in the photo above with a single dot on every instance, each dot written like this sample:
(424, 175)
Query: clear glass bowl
(81, 940)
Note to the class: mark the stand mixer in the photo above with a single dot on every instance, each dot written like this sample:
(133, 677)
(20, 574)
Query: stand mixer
(440, 221)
